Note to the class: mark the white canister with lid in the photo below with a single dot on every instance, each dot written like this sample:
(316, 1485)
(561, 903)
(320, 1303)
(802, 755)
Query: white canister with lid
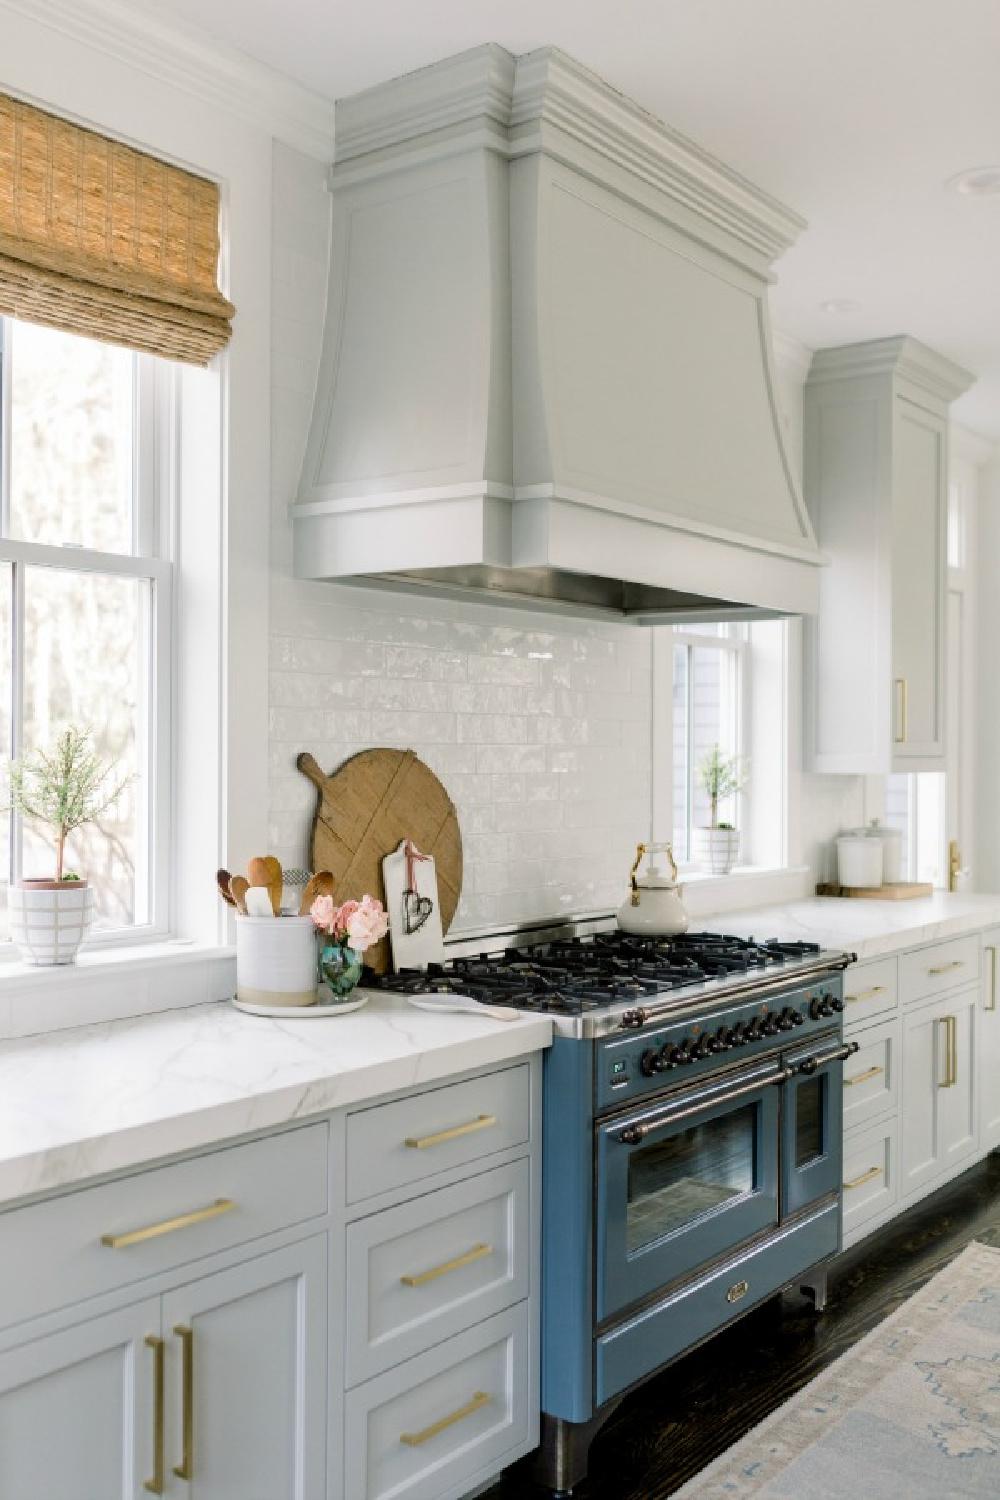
(859, 859)
(892, 852)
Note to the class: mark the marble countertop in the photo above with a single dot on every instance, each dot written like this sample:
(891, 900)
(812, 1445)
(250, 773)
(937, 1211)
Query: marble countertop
(871, 929)
(76, 1104)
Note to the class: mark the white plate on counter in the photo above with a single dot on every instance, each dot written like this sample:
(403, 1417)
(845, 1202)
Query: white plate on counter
(302, 1012)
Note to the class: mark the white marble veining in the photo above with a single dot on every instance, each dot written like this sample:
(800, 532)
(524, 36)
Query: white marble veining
(871, 929)
(77, 1104)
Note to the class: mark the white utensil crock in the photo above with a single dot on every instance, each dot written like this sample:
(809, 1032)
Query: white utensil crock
(276, 960)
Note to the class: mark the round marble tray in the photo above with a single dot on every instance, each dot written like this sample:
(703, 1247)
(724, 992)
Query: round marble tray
(302, 1012)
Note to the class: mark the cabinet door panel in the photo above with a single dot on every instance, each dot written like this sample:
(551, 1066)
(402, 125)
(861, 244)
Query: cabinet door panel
(918, 582)
(923, 1073)
(76, 1410)
(257, 1401)
(989, 1044)
(957, 1118)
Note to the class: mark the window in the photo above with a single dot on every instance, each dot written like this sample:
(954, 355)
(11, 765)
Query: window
(85, 598)
(709, 666)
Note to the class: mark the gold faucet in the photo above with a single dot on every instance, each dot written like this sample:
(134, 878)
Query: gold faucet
(954, 865)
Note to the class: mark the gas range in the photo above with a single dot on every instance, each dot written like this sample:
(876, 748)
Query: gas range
(593, 983)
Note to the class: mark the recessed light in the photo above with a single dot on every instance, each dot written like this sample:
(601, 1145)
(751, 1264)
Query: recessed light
(837, 305)
(978, 182)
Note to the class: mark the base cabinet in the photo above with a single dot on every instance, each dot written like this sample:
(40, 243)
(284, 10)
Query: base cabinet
(989, 1044)
(939, 1128)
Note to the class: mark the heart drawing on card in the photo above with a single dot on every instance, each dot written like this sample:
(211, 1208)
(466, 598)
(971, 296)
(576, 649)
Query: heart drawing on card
(416, 910)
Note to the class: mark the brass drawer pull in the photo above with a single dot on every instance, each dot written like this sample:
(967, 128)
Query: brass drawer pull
(417, 1439)
(950, 1023)
(481, 1122)
(155, 1485)
(900, 738)
(956, 963)
(865, 1177)
(421, 1278)
(167, 1226)
(862, 1077)
(991, 950)
(185, 1469)
(876, 989)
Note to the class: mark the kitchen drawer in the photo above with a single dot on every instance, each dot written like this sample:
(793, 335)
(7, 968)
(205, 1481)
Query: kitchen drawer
(870, 989)
(871, 1076)
(938, 967)
(54, 1253)
(410, 1140)
(430, 1428)
(871, 1186)
(427, 1269)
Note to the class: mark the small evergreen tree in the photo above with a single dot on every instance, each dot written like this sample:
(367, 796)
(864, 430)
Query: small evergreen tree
(65, 787)
(721, 776)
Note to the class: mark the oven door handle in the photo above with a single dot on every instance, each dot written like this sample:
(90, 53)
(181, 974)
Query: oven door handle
(811, 1065)
(634, 1135)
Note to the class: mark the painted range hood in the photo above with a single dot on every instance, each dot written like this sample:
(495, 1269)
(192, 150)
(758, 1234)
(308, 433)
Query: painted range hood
(547, 373)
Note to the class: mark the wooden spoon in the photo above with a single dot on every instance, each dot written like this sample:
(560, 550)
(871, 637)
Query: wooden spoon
(258, 873)
(321, 884)
(275, 881)
(238, 888)
(222, 878)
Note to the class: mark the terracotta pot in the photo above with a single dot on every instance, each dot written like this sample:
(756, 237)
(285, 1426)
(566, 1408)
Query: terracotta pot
(49, 919)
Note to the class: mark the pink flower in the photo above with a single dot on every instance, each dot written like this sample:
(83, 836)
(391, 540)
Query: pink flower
(343, 916)
(324, 913)
(366, 924)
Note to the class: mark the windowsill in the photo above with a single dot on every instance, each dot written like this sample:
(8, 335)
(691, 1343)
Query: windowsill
(747, 885)
(112, 984)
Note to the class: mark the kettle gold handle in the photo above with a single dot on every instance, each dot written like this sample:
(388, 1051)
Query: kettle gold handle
(641, 849)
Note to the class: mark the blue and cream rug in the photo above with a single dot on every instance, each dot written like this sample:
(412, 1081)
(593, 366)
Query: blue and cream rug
(913, 1410)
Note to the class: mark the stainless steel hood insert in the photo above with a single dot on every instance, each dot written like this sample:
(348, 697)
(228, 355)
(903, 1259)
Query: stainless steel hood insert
(547, 371)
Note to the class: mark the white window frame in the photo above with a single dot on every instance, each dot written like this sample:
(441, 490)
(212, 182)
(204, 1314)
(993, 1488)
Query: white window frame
(737, 696)
(154, 408)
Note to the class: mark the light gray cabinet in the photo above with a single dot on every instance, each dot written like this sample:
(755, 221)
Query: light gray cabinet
(875, 481)
(938, 1119)
(989, 1044)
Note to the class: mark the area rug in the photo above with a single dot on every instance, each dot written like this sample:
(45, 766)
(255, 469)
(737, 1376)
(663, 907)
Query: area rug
(911, 1410)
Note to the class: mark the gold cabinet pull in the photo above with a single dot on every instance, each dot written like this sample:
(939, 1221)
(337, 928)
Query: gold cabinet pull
(421, 1278)
(991, 950)
(950, 1024)
(417, 1439)
(876, 989)
(865, 1177)
(481, 1122)
(185, 1469)
(155, 1485)
(862, 1077)
(900, 738)
(167, 1226)
(956, 963)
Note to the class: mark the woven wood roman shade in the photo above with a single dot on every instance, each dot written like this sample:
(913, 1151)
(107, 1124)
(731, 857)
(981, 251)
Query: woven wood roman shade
(104, 241)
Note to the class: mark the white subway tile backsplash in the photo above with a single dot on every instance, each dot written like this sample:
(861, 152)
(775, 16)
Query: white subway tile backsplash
(537, 724)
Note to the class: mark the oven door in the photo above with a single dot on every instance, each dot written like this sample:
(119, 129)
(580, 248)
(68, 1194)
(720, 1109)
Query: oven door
(683, 1181)
(813, 1121)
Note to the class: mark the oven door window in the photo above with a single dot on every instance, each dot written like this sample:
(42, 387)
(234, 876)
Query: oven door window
(675, 1181)
(689, 1192)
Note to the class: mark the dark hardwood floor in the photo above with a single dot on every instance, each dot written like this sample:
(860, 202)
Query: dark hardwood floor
(678, 1422)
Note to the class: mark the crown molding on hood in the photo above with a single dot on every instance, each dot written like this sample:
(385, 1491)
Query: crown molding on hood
(186, 58)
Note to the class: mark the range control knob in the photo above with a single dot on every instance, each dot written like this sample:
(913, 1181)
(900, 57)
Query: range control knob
(754, 1030)
(771, 1024)
(651, 1062)
(820, 1006)
(787, 1019)
(724, 1038)
(700, 1048)
(837, 1003)
(740, 1037)
(686, 1052)
(798, 1019)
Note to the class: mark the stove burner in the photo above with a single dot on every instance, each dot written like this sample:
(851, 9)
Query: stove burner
(573, 976)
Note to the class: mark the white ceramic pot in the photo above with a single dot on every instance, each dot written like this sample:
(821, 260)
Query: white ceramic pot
(859, 860)
(715, 850)
(49, 919)
(276, 960)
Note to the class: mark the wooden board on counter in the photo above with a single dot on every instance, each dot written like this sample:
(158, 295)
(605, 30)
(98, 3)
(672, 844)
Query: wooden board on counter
(903, 890)
(364, 809)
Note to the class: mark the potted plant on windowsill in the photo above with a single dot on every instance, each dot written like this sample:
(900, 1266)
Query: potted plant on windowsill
(63, 788)
(716, 848)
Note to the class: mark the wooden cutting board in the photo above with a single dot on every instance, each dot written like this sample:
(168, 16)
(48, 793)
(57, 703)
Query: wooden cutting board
(901, 891)
(363, 811)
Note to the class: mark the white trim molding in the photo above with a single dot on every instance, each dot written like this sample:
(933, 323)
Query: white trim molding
(188, 58)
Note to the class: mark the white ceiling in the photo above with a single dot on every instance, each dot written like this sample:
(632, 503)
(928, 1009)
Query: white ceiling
(854, 113)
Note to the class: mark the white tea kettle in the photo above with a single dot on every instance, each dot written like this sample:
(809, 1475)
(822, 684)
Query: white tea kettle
(654, 907)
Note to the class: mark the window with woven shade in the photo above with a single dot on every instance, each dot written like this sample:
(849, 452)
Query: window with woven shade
(102, 240)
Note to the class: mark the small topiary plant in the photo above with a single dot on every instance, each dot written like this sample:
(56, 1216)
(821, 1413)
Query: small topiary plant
(65, 788)
(720, 776)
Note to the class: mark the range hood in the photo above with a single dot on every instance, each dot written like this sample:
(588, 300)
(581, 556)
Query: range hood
(547, 373)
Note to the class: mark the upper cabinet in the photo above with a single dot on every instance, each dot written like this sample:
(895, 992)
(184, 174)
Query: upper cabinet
(876, 483)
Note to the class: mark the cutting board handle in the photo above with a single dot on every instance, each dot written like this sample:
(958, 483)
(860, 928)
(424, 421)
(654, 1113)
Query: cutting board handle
(309, 767)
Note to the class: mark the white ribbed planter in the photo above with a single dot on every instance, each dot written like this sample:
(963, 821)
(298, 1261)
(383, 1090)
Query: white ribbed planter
(49, 919)
(715, 850)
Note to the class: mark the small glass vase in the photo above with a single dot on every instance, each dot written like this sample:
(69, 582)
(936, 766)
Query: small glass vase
(339, 969)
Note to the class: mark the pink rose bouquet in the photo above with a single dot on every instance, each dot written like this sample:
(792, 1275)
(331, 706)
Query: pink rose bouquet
(358, 924)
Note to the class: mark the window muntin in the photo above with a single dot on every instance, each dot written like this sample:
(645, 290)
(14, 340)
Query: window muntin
(84, 611)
